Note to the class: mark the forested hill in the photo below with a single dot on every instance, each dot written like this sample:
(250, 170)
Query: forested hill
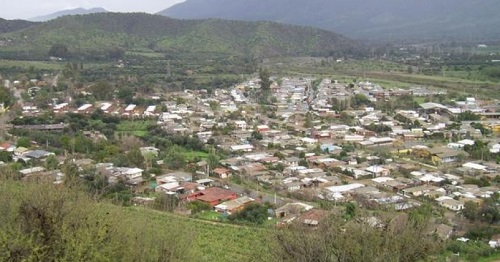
(14, 25)
(139, 30)
(76, 11)
(380, 19)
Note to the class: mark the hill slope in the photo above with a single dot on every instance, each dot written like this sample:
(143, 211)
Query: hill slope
(379, 19)
(139, 30)
(76, 11)
(14, 25)
(45, 222)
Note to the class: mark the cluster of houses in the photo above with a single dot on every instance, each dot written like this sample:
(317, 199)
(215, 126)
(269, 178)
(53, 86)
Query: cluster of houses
(290, 146)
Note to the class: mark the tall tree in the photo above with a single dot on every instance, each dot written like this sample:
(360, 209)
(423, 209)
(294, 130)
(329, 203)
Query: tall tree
(135, 157)
(102, 90)
(59, 50)
(265, 81)
(470, 211)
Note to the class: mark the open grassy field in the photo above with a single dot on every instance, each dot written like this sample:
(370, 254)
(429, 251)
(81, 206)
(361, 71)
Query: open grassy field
(192, 155)
(493, 258)
(134, 127)
(145, 54)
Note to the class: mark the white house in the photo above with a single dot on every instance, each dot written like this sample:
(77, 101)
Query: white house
(474, 166)
(344, 188)
(309, 141)
(495, 149)
(450, 203)
(378, 171)
(133, 173)
(467, 142)
(244, 148)
(241, 125)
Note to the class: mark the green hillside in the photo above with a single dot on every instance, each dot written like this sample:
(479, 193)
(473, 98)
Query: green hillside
(14, 25)
(138, 31)
(45, 222)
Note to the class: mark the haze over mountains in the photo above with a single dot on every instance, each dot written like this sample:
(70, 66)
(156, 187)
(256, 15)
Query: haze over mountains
(76, 11)
(380, 19)
(387, 20)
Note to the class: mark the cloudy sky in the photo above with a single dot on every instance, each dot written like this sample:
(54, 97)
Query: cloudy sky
(24, 9)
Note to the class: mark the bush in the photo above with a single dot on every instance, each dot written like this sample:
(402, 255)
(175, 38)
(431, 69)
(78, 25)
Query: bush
(45, 222)
(198, 206)
(471, 251)
(254, 213)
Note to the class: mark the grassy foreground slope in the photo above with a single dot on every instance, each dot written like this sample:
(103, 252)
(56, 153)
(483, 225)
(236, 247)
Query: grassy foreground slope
(44, 222)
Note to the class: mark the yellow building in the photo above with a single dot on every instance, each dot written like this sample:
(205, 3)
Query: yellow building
(495, 128)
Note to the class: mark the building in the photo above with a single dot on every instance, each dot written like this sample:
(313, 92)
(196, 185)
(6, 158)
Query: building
(222, 172)
(378, 171)
(243, 148)
(240, 125)
(233, 206)
(213, 195)
(444, 155)
(450, 203)
(313, 217)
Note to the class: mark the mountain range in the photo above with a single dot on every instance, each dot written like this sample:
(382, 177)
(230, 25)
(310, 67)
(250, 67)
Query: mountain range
(76, 11)
(364, 19)
(140, 31)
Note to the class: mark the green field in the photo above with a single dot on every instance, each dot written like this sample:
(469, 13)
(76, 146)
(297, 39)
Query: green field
(209, 215)
(493, 258)
(145, 54)
(37, 65)
(134, 127)
(387, 74)
(192, 155)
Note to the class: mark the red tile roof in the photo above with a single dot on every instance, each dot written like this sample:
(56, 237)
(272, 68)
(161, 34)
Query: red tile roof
(221, 170)
(216, 194)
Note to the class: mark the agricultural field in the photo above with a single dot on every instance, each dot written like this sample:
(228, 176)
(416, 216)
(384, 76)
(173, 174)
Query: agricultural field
(462, 79)
(35, 65)
(134, 127)
(193, 155)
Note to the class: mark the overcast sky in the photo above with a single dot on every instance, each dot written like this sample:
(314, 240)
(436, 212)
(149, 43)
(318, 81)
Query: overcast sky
(24, 9)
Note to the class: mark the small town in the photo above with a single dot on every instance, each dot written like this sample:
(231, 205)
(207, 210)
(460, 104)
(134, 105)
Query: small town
(243, 130)
(319, 143)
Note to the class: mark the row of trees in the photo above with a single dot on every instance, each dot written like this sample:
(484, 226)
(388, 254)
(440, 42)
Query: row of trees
(63, 51)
